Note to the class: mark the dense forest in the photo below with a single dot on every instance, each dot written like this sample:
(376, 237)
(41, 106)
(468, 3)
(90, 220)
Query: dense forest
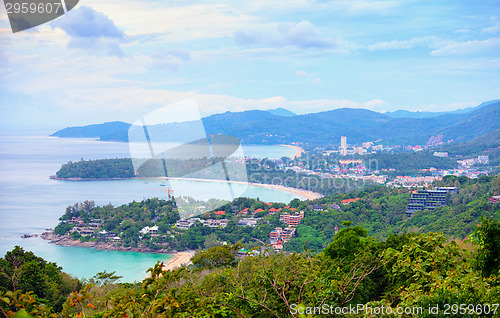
(97, 169)
(408, 275)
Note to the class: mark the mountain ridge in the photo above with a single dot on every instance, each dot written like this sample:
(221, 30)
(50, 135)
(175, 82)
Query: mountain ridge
(264, 127)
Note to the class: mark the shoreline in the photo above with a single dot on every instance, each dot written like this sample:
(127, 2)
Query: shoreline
(65, 240)
(298, 151)
(309, 195)
(180, 259)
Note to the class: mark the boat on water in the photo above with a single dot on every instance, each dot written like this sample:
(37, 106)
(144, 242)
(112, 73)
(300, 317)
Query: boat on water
(163, 185)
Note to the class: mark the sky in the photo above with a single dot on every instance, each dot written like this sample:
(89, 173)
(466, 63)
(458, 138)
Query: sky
(111, 60)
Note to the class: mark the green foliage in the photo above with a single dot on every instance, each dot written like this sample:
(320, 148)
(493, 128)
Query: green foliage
(23, 272)
(487, 237)
(63, 228)
(75, 235)
(404, 271)
(22, 305)
(97, 169)
(347, 243)
(410, 161)
(217, 256)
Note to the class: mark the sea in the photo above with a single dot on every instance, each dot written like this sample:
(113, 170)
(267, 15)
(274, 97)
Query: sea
(30, 202)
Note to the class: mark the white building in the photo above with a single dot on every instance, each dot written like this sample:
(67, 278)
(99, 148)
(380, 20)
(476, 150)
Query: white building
(248, 221)
(483, 159)
(343, 146)
(149, 230)
(440, 154)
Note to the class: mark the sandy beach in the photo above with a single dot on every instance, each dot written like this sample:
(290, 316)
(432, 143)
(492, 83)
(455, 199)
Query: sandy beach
(298, 150)
(181, 258)
(310, 195)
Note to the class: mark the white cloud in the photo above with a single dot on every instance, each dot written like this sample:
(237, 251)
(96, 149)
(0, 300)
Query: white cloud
(91, 30)
(429, 41)
(308, 76)
(219, 85)
(462, 31)
(178, 22)
(446, 107)
(362, 5)
(492, 29)
(169, 58)
(300, 35)
(470, 47)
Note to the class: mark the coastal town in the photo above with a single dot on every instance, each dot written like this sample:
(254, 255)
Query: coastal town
(348, 162)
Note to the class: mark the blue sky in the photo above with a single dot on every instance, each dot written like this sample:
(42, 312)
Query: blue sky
(117, 60)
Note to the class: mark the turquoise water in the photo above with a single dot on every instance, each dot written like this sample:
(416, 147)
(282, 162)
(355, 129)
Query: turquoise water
(30, 202)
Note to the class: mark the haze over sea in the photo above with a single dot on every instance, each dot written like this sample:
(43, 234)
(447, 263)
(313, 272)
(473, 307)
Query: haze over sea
(30, 202)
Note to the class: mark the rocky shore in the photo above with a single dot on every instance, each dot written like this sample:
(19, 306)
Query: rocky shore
(66, 240)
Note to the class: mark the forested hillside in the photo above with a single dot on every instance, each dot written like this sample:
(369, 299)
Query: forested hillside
(410, 275)
(360, 125)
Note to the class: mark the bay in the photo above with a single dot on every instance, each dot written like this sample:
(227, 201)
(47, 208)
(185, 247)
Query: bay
(30, 202)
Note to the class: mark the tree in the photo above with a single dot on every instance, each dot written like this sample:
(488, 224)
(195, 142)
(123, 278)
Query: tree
(487, 236)
(24, 272)
(218, 256)
(347, 243)
(212, 241)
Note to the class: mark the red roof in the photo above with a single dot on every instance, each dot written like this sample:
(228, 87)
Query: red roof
(258, 210)
(269, 203)
(220, 212)
(244, 210)
(350, 200)
(293, 209)
(273, 210)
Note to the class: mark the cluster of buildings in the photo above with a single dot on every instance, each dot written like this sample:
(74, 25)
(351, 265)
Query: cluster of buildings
(411, 181)
(469, 162)
(82, 228)
(91, 228)
(185, 224)
(278, 236)
(366, 147)
(291, 217)
(248, 221)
